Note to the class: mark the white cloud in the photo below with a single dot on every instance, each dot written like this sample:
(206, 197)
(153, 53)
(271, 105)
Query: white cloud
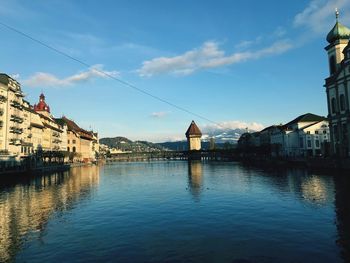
(248, 43)
(231, 125)
(159, 114)
(319, 14)
(207, 56)
(42, 79)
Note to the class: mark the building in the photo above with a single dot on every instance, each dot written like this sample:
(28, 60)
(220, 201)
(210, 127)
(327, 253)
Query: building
(53, 133)
(11, 117)
(337, 88)
(193, 135)
(81, 144)
(306, 135)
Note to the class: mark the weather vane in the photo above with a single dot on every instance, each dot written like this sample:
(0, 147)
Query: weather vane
(336, 14)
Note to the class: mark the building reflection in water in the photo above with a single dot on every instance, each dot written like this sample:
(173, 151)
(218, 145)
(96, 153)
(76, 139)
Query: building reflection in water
(26, 207)
(342, 208)
(195, 177)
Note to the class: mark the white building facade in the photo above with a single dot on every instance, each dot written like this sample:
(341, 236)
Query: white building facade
(306, 136)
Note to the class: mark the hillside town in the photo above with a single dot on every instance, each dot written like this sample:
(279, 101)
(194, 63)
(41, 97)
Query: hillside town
(26, 130)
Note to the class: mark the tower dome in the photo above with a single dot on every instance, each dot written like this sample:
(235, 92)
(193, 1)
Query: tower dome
(339, 31)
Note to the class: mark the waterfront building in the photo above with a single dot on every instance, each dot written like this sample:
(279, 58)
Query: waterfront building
(306, 135)
(80, 143)
(193, 135)
(11, 117)
(53, 132)
(337, 86)
(27, 146)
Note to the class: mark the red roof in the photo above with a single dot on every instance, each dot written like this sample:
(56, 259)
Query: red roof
(42, 106)
(193, 130)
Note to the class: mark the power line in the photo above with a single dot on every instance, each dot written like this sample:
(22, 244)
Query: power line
(123, 82)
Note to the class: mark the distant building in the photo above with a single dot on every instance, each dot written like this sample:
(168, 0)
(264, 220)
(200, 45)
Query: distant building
(193, 135)
(337, 88)
(306, 135)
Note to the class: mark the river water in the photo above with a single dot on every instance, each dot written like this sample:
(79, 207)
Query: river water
(175, 212)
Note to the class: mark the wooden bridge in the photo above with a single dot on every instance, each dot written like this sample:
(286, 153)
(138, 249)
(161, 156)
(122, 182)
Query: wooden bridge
(175, 155)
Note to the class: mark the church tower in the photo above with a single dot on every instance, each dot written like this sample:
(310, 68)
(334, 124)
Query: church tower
(338, 39)
(193, 135)
(337, 88)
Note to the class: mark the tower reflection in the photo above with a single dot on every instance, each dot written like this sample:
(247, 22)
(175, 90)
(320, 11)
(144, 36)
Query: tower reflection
(195, 177)
(26, 207)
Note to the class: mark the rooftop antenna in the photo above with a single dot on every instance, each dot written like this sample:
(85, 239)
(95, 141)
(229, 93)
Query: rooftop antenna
(336, 14)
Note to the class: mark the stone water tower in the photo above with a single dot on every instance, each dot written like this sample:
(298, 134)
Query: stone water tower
(193, 135)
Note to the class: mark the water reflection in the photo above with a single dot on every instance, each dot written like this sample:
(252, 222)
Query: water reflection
(195, 177)
(27, 206)
(342, 207)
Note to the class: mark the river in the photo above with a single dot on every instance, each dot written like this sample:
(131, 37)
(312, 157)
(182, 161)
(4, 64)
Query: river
(175, 212)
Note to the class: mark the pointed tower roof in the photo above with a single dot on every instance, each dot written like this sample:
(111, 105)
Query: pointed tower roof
(339, 31)
(193, 130)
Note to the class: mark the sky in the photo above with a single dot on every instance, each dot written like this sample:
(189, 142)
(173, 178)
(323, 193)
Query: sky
(243, 63)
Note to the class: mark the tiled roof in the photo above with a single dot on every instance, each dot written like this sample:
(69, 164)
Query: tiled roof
(72, 126)
(193, 130)
(308, 117)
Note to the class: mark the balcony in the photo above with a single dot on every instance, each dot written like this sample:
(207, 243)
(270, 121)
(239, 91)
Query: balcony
(16, 130)
(55, 134)
(15, 141)
(19, 93)
(16, 104)
(56, 141)
(16, 118)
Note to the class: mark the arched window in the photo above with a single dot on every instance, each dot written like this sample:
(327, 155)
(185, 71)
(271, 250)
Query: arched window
(332, 65)
(342, 102)
(68, 149)
(334, 105)
(74, 149)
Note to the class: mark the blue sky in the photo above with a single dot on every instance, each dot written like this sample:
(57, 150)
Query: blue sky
(238, 63)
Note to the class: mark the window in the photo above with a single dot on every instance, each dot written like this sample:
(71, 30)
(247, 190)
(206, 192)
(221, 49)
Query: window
(309, 143)
(308, 132)
(334, 105)
(74, 149)
(68, 149)
(73, 141)
(301, 142)
(332, 65)
(68, 141)
(324, 132)
(317, 144)
(316, 132)
(342, 102)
